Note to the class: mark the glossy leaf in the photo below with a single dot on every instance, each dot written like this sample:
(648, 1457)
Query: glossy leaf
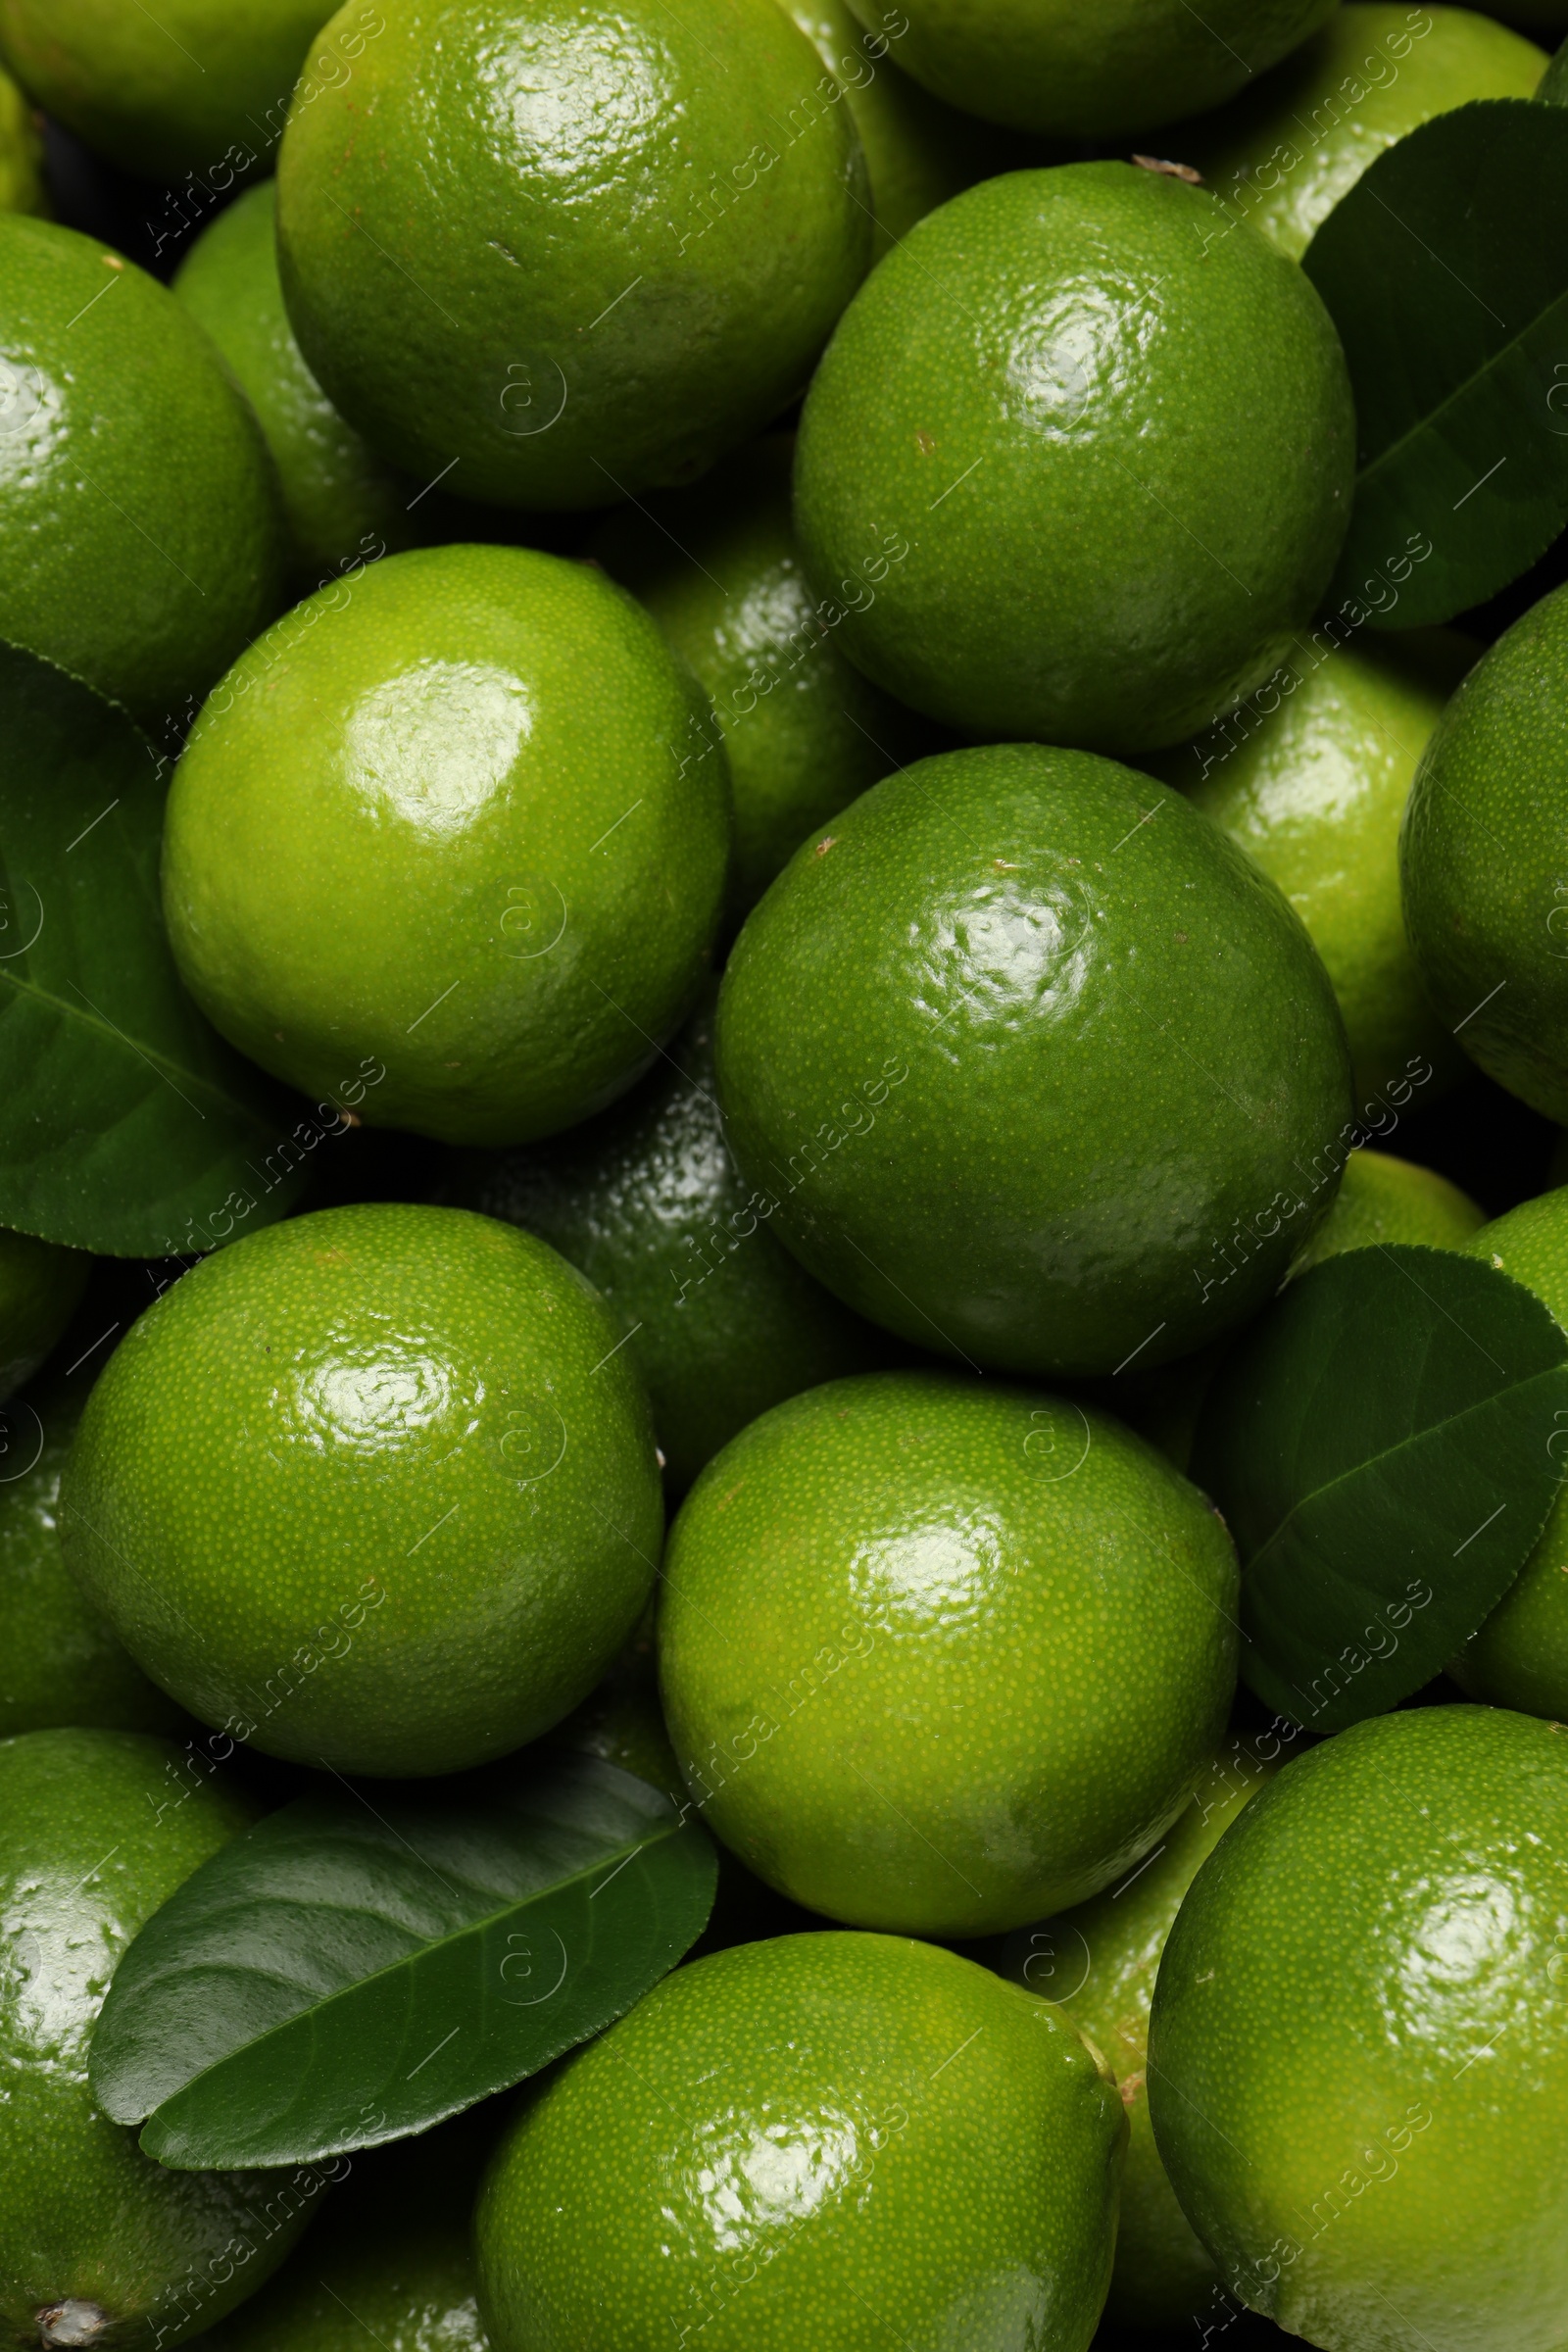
(1385, 1444)
(359, 1965)
(131, 1128)
(1445, 270)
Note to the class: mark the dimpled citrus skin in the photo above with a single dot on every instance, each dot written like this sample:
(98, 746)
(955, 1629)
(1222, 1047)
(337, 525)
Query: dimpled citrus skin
(138, 507)
(1099, 1963)
(897, 1676)
(719, 569)
(841, 2141)
(1313, 781)
(1358, 2051)
(166, 94)
(1519, 1658)
(97, 1828)
(374, 1483)
(1039, 1070)
(341, 501)
(1282, 156)
(721, 1320)
(40, 1287)
(580, 248)
(1094, 443)
(1484, 907)
(1384, 1200)
(1082, 74)
(457, 819)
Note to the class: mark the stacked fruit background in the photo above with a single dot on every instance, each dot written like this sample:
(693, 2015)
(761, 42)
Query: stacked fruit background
(783, 1185)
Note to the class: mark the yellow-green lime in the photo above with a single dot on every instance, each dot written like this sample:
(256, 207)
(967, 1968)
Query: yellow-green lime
(825, 2140)
(98, 2244)
(374, 1488)
(406, 838)
(1358, 2050)
(558, 253)
(1382, 1200)
(1092, 446)
(1283, 154)
(40, 1287)
(22, 180)
(896, 1674)
(139, 509)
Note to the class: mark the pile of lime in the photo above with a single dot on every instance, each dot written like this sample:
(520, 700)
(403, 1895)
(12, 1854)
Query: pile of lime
(783, 1223)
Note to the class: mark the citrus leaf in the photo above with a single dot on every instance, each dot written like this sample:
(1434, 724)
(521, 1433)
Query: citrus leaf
(355, 1968)
(1445, 270)
(1383, 1444)
(130, 1127)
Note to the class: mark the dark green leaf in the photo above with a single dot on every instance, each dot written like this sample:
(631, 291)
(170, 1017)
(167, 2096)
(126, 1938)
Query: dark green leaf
(131, 1128)
(1383, 1444)
(1445, 270)
(358, 1967)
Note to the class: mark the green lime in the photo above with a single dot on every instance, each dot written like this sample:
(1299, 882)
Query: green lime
(342, 502)
(1358, 2053)
(722, 1321)
(374, 1488)
(898, 1681)
(1311, 777)
(61, 1663)
(137, 499)
(452, 831)
(1384, 1200)
(40, 1288)
(201, 89)
(719, 570)
(21, 181)
(1090, 73)
(1099, 1963)
(840, 2141)
(1519, 1658)
(1092, 445)
(98, 2244)
(1034, 1066)
(563, 254)
(1282, 156)
(1486, 905)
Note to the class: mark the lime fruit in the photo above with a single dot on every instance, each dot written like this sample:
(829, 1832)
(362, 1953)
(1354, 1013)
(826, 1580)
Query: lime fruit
(565, 252)
(1311, 777)
(1485, 904)
(1359, 2039)
(374, 1488)
(1099, 1963)
(98, 2244)
(720, 1319)
(895, 1672)
(1282, 156)
(1382, 1200)
(196, 88)
(40, 1288)
(342, 503)
(404, 837)
(1519, 1658)
(62, 1662)
(136, 496)
(834, 2140)
(21, 181)
(1035, 1065)
(1126, 66)
(1101, 443)
(719, 569)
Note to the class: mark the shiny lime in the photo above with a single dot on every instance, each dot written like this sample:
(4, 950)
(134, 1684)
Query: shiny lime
(139, 505)
(837, 2142)
(1358, 2053)
(1093, 448)
(565, 253)
(1384, 1200)
(374, 1488)
(1035, 1066)
(40, 1287)
(457, 820)
(896, 1673)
